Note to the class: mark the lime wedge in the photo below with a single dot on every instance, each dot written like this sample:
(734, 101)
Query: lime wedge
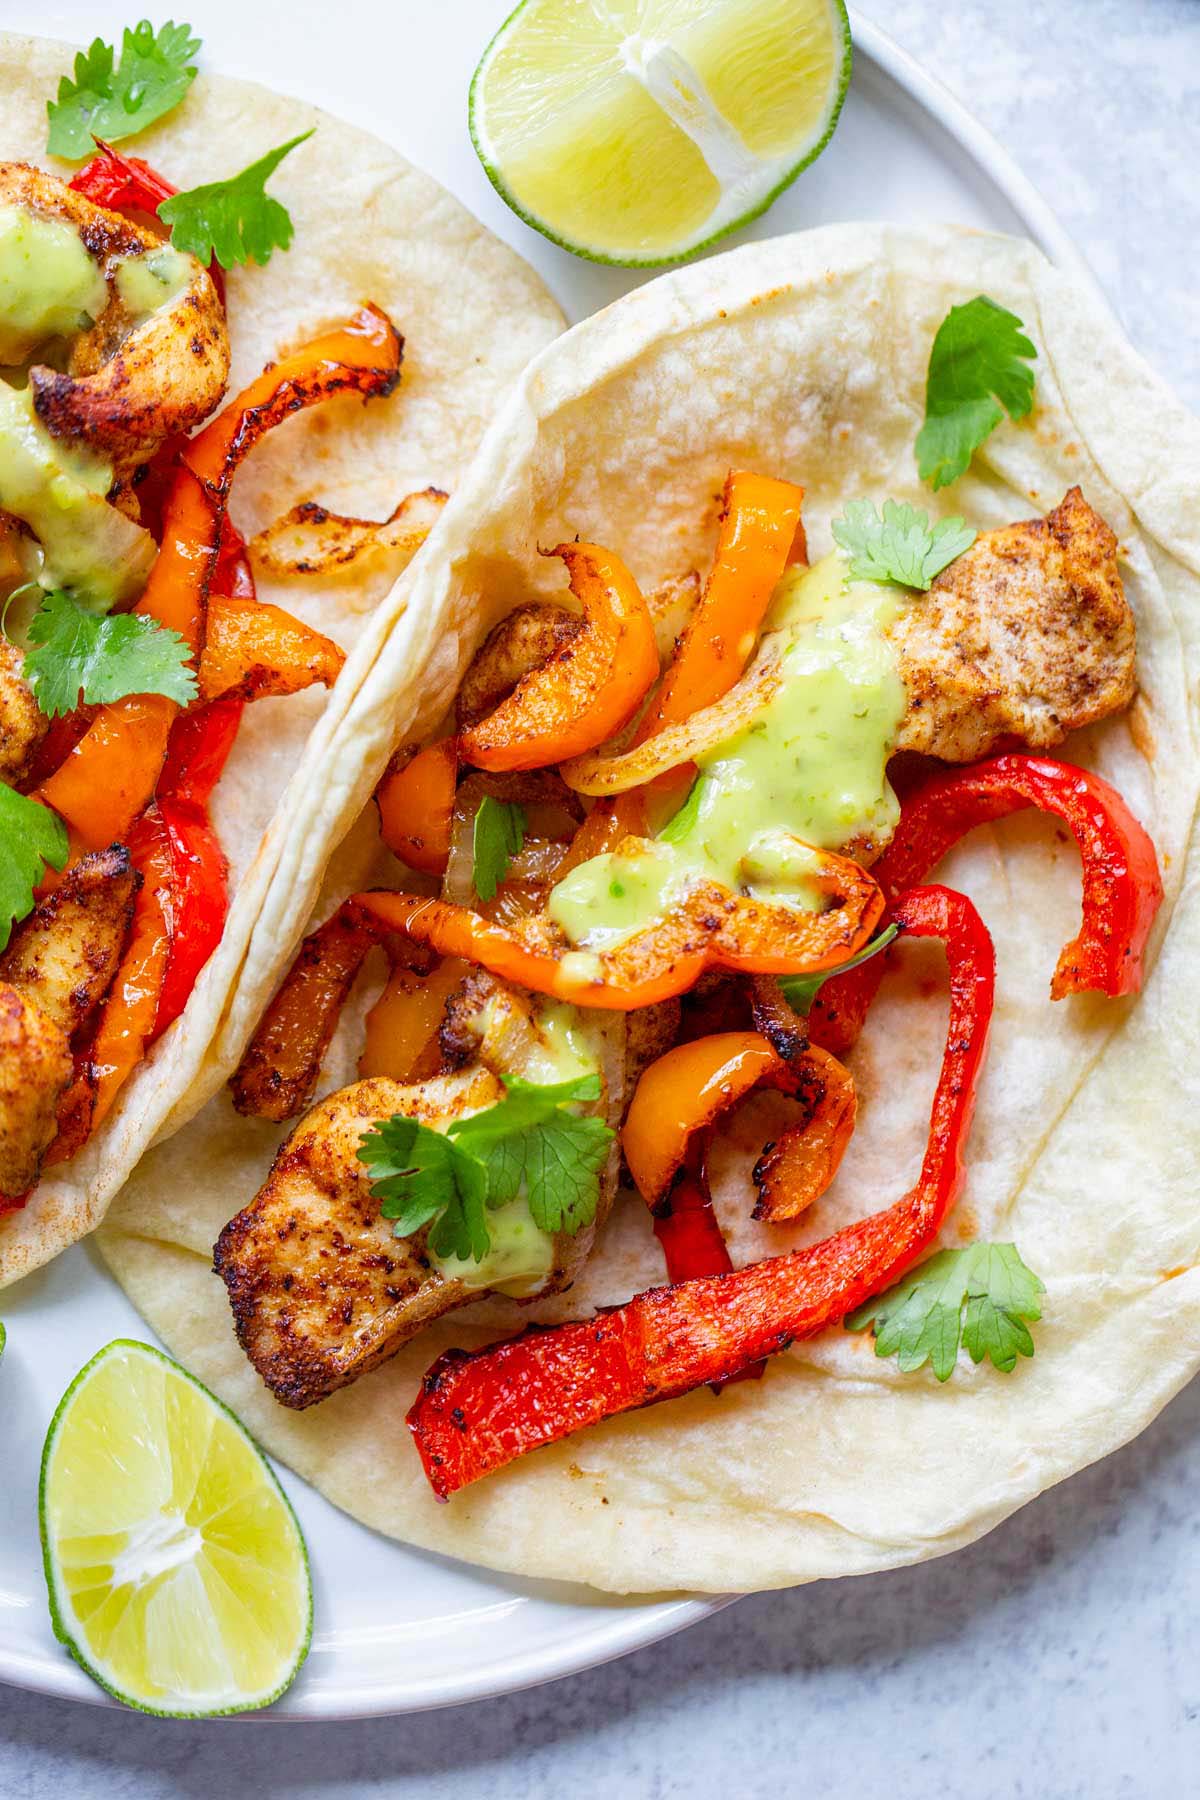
(177, 1574)
(637, 131)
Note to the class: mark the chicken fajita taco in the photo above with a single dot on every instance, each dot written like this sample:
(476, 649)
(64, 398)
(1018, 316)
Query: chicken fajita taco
(739, 1134)
(230, 413)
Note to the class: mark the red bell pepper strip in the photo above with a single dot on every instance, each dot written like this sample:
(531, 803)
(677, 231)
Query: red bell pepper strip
(195, 903)
(477, 1411)
(198, 750)
(1122, 888)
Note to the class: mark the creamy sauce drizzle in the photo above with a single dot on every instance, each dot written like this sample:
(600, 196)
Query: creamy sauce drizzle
(810, 770)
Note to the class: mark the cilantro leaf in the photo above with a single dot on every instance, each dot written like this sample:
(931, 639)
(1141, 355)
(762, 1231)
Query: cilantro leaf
(82, 653)
(903, 546)
(801, 990)
(498, 837)
(421, 1175)
(525, 1142)
(978, 1297)
(32, 838)
(977, 373)
(236, 221)
(112, 100)
(679, 826)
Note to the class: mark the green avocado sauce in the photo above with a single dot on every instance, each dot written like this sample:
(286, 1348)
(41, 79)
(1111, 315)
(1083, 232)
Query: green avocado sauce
(58, 490)
(521, 1258)
(809, 770)
(50, 289)
(146, 283)
(49, 286)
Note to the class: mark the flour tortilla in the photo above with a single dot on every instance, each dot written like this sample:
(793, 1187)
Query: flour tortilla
(805, 358)
(368, 226)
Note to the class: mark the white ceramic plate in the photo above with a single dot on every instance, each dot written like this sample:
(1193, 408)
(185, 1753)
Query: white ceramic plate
(398, 1630)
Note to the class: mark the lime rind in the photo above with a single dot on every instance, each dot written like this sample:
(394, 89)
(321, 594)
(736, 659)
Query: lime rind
(60, 1605)
(838, 93)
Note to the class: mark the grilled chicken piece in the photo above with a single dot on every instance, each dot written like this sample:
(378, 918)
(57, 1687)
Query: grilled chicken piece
(64, 955)
(128, 385)
(520, 643)
(1028, 635)
(321, 1289)
(35, 1068)
(22, 725)
(55, 972)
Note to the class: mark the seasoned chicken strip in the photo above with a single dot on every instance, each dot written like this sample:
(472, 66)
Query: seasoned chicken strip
(321, 1289)
(1028, 635)
(35, 1067)
(55, 972)
(22, 725)
(130, 381)
(64, 955)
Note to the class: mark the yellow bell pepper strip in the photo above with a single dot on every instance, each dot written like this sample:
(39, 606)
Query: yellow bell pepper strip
(479, 1410)
(677, 1103)
(400, 1037)
(416, 807)
(1122, 888)
(589, 688)
(710, 927)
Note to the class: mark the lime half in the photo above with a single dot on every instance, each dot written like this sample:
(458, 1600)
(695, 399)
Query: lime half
(177, 1573)
(637, 131)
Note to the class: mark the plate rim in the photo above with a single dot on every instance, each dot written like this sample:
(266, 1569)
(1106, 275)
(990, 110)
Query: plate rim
(631, 1627)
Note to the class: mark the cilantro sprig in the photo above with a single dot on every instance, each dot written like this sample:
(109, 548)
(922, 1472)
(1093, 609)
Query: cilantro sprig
(236, 220)
(81, 654)
(113, 99)
(902, 546)
(32, 839)
(525, 1142)
(801, 990)
(499, 835)
(978, 1298)
(978, 371)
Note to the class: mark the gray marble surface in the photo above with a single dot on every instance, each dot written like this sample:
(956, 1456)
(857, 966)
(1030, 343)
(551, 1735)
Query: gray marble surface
(1056, 1658)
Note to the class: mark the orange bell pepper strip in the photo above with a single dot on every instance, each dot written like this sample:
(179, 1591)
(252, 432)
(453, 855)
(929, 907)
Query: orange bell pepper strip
(278, 1072)
(478, 1410)
(110, 773)
(127, 1021)
(416, 807)
(362, 356)
(709, 928)
(759, 525)
(760, 536)
(256, 651)
(1122, 887)
(589, 688)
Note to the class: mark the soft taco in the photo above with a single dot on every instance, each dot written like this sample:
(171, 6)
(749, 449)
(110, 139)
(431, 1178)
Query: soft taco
(199, 520)
(730, 710)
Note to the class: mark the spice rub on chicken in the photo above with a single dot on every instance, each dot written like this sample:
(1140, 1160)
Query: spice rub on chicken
(56, 971)
(22, 723)
(1027, 635)
(154, 358)
(322, 1290)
